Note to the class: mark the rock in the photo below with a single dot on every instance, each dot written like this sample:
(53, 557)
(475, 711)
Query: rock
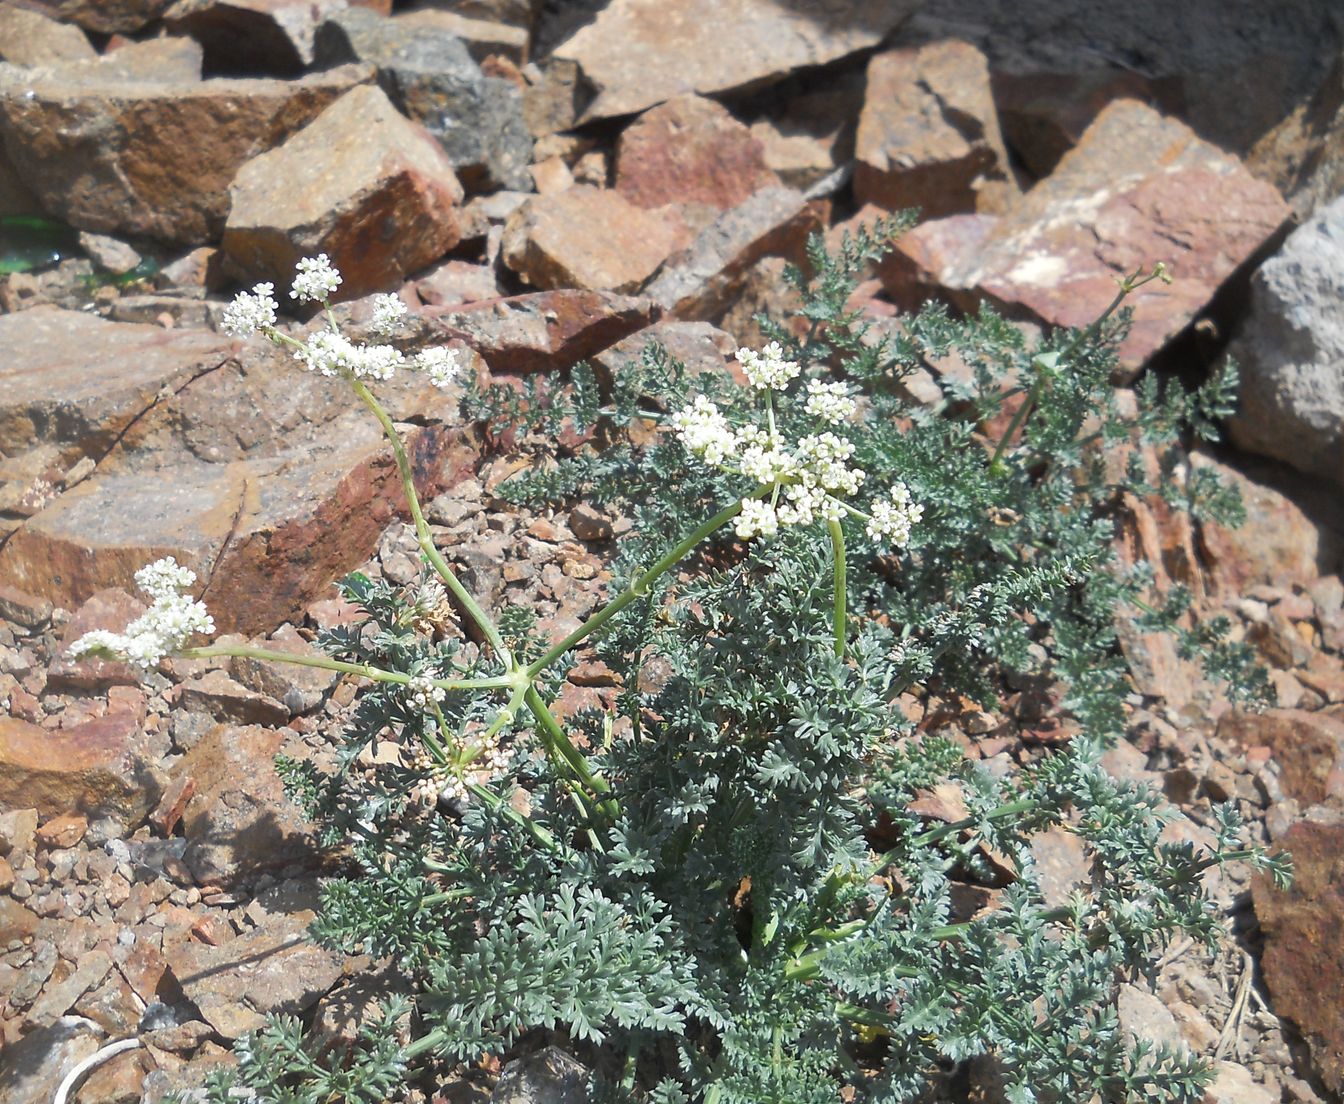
(637, 53)
(811, 135)
(271, 36)
(483, 37)
(929, 136)
(547, 331)
(1139, 188)
(516, 13)
(169, 60)
(102, 767)
(95, 154)
(22, 608)
(428, 73)
(700, 281)
(302, 689)
(690, 151)
(109, 254)
(1060, 864)
(913, 272)
(455, 282)
(105, 16)
(238, 821)
(65, 830)
(35, 1065)
(1308, 748)
(548, 1077)
(698, 345)
(1291, 352)
(589, 524)
(30, 38)
(361, 184)
(589, 238)
(1144, 1018)
(62, 396)
(1302, 966)
(274, 969)
(216, 695)
(111, 610)
(1233, 1084)
(57, 999)
(1303, 156)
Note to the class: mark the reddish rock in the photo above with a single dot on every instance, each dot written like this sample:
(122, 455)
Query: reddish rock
(62, 831)
(103, 767)
(24, 609)
(455, 282)
(702, 348)
(810, 136)
(1303, 959)
(238, 821)
(1139, 188)
(589, 238)
(637, 53)
(1308, 748)
(929, 134)
(215, 694)
(690, 150)
(299, 688)
(83, 383)
(912, 273)
(275, 36)
(361, 183)
(548, 331)
(700, 281)
(146, 159)
(111, 610)
(30, 38)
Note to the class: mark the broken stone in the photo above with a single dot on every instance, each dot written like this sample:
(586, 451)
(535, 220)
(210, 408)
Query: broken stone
(1138, 188)
(700, 281)
(697, 345)
(929, 134)
(637, 53)
(110, 610)
(62, 831)
(35, 1065)
(550, 1076)
(171, 60)
(29, 38)
(95, 154)
(589, 238)
(483, 38)
(430, 76)
(102, 767)
(455, 282)
(361, 184)
(216, 695)
(274, 36)
(274, 969)
(302, 689)
(1306, 746)
(21, 608)
(238, 822)
(109, 254)
(810, 136)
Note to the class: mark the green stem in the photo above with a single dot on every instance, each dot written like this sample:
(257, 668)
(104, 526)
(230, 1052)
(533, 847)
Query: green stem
(428, 1042)
(478, 616)
(374, 674)
(638, 588)
(558, 745)
(996, 466)
(838, 617)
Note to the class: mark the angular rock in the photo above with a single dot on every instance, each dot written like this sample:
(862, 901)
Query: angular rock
(455, 282)
(172, 59)
(273, 969)
(690, 150)
(35, 1065)
(1291, 352)
(547, 331)
(273, 36)
(1233, 1084)
(102, 768)
(111, 610)
(1139, 188)
(145, 159)
(912, 273)
(215, 694)
(30, 38)
(268, 534)
(1308, 748)
(430, 76)
(702, 348)
(637, 53)
(300, 688)
(929, 136)
(1302, 965)
(83, 383)
(360, 183)
(550, 1076)
(483, 37)
(589, 238)
(105, 16)
(1303, 156)
(700, 281)
(812, 135)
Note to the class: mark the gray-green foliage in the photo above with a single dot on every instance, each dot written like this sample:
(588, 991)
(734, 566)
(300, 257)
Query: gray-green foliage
(754, 915)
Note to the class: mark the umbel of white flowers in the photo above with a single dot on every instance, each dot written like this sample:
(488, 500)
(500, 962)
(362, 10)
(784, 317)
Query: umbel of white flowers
(328, 352)
(808, 479)
(172, 618)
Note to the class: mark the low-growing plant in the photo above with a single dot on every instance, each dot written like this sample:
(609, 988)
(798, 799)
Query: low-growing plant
(731, 887)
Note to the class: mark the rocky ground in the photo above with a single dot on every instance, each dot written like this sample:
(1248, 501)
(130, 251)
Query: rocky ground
(551, 182)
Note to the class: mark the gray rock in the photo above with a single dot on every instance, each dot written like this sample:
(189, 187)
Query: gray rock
(548, 1077)
(429, 74)
(1291, 352)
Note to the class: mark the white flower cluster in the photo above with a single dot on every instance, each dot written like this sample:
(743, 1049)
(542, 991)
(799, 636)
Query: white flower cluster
(451, 785)
(829, 401)
(808, 481)
(162, 629)
(316, 280)
(329, 352)
(768, 369)
(424, 694)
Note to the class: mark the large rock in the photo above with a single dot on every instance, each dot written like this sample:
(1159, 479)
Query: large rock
(430, 75)
(172, 59)
(30, 38)
(701, 281)
(690, 150)
(145, 159)
(105, 767)
(547, 331)
(1308, 748)
(360, 183)
(929, 135)
(1138, 189)
(105, 16)
(585, 237)
(811, 135)
(637, 53)
(238, 821)
(1291, 352)
(1303, 960)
